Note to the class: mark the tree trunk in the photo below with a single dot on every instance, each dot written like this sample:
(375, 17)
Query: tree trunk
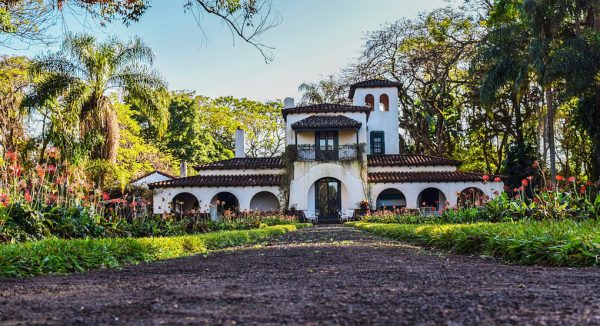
(112, 133)
(550, 130)
(518, 119)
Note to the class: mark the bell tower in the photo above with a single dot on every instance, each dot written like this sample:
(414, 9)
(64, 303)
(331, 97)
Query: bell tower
(383, 124)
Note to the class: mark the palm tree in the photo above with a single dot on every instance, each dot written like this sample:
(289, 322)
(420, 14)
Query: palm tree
(328, 90)
(82, 75)
(543, 18)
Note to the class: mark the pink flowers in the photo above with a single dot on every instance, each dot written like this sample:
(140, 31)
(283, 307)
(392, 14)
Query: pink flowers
(11, 157)
(571, 179)
(4, 200)
(53, 152)
(524, 183)
(40, 171)
(497, 179)
(486, 178)
(27, 196)
(559, 178)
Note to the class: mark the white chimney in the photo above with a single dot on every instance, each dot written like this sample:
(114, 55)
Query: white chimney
(183, 169)
(240, 144)
(288, 102)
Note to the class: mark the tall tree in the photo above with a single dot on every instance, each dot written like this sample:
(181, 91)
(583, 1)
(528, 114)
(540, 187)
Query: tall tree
(14, 79)
(576, 63)
(27, 21)
(429, 56)
(82, 75)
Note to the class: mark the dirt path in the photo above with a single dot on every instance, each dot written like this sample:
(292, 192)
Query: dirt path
(333, 275)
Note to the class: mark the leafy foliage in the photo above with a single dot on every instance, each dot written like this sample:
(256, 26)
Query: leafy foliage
(56, 256)
(564, 243)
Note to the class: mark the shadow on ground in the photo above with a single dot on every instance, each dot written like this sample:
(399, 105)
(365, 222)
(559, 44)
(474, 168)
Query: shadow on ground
(328, 274)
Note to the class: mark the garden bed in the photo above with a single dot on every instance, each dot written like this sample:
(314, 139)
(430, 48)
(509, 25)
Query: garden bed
(59, 256)
(556, 243)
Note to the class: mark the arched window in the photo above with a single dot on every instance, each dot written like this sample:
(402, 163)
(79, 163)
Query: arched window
(384, 102)
(264, 201)
(370, 101)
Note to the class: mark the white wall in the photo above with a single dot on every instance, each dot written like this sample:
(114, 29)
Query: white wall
(302, 190)
(154, 177)
(450, 189)
(386, 121)
(163, 196)
(346, 137)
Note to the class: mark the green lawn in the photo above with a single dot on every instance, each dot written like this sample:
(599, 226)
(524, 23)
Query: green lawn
(59, 256)
(556, 243)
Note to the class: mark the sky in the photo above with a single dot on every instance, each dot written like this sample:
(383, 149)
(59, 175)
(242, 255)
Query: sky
(315, 38)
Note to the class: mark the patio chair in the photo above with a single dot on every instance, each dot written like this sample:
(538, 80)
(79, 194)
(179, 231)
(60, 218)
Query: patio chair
(347, 216)
(311, 216)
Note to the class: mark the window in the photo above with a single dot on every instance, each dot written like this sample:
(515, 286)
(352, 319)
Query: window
(370, 101)
(377, 142)
(384, 103)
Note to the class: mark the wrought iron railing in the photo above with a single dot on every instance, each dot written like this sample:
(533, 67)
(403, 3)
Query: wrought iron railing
(327, 153)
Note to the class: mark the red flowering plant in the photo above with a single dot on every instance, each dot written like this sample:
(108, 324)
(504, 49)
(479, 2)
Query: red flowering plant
(52, 198)
(534, 197)
(562, 197)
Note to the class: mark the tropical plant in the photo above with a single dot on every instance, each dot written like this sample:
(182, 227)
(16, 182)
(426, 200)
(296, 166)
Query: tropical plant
(82, 75)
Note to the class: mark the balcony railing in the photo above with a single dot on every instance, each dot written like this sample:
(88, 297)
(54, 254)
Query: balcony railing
(327, 153)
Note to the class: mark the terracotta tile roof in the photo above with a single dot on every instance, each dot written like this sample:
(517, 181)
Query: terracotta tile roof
(245, 163)
(252, 180)
(409, 160)
(152, 172)
(325, 108)
(326, 121)
(373, 83)
(454, 176)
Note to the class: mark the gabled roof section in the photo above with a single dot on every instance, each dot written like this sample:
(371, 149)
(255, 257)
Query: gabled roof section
(373, 83)
(325, 108)
(409, 160)
(400, 177)
(252, 180)
(326, 121)
(245, 163)
(151, 173)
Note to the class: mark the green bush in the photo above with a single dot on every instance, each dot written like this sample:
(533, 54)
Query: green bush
(60, 256)
(391, 217)
(557, 243)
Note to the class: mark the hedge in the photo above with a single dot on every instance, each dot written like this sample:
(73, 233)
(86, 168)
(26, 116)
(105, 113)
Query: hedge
(555, 243)
(60, 256)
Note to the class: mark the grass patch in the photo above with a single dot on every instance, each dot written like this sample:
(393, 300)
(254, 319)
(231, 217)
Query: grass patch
(60, 256)
(555, 243)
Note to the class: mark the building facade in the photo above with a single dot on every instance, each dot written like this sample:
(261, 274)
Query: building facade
(336, 157)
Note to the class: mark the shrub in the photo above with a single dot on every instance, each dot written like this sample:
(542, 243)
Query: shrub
(60, 256)
(557, 243)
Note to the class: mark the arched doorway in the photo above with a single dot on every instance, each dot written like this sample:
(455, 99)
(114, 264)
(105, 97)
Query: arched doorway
(431, 197)
(328, 199)
(264, 201)
(389, 199)
(472, 197)
(225, 203)
(184, 203)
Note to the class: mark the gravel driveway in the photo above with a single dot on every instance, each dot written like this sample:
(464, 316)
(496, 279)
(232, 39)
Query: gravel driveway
(325, 274)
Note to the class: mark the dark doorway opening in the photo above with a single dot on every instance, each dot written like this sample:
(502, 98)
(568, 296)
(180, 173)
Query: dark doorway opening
(328, 199)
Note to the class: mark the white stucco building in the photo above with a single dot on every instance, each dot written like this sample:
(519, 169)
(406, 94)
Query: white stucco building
(337, 156)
